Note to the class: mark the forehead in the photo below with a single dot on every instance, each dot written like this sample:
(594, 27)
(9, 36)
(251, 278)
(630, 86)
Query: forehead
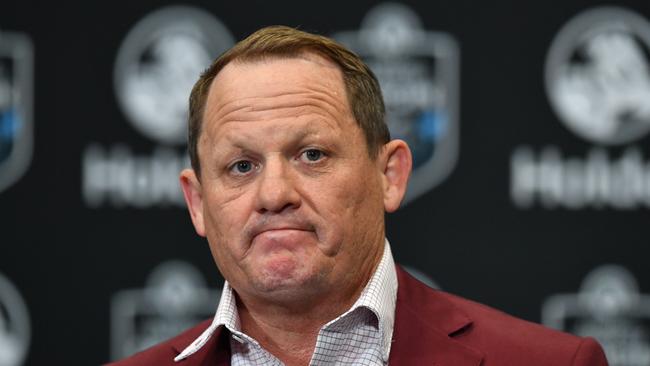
(306, 83)
(278, 71)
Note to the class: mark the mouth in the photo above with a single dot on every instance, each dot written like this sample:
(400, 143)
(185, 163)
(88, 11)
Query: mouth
(278, 230)
(281, 240)
(271, 227)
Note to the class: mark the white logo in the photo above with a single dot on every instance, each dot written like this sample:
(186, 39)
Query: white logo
(120, 178)
(609, 308)
(14, 325)
(156, 66)
(418, 73)
(174, 299)
(159, 62)
(16, 70)
(598, 75)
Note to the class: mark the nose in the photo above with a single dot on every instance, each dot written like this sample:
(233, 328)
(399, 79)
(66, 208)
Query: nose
(276, 190)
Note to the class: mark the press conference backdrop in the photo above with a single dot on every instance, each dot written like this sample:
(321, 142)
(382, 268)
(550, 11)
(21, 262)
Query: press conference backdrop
(529, 124)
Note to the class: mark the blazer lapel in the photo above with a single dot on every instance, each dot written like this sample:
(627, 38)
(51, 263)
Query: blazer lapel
(425, 327)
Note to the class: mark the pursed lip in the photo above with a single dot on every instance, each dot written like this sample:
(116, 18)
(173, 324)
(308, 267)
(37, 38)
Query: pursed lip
(272, 225)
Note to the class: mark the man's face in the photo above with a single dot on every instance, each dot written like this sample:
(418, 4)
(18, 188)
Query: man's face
(289, 199)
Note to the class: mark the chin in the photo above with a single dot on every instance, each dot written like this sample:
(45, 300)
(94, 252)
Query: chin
(288, 280)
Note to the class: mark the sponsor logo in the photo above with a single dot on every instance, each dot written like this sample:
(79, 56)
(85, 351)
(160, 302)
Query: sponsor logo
(418, 73)
(156, 66)
(15, 329)
(598, 181)
(609, 308)
(120, 178)
(16, 79)
(598, 83)
(598, 75)
(174, 299)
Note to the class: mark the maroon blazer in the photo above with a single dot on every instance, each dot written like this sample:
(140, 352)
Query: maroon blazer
(431, 328)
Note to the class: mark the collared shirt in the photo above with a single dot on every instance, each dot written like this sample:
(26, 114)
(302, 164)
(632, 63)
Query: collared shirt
(360, 336)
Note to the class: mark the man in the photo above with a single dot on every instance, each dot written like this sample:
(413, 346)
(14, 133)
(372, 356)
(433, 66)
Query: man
(292, 172)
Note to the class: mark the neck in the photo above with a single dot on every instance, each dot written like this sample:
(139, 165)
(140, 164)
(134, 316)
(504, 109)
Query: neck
(290, 339)
(289, 331)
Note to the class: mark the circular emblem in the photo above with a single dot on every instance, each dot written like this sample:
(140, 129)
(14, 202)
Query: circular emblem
(14, 325)
(608, 291)
(598, 75)
(175, 288)
(158, 63)
(390, 29)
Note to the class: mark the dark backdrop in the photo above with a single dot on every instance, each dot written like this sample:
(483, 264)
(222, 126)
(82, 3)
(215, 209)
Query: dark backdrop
(70, 257)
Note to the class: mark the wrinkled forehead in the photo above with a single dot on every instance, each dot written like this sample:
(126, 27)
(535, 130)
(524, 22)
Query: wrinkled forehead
(304, 83)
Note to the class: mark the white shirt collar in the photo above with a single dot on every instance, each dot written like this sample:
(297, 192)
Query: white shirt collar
(379, 296)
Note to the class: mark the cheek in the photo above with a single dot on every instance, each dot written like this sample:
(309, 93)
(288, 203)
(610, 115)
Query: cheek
(348, 204)
(359, 192)
(226, 216)
(366, 210)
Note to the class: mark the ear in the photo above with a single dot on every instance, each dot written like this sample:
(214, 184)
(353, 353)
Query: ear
(194, 198)
(396, 165)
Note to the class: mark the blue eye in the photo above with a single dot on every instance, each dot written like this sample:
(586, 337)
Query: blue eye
(242, 166)
(313, 154)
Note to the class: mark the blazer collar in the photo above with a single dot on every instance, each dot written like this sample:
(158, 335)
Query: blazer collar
(426, 325)
(426, 332)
